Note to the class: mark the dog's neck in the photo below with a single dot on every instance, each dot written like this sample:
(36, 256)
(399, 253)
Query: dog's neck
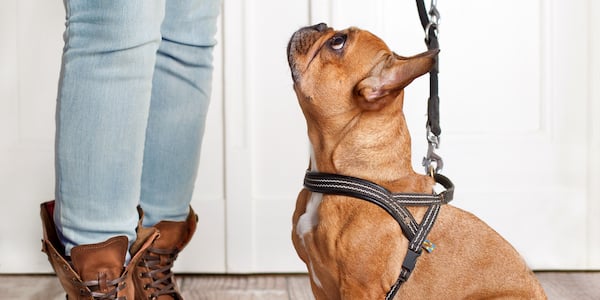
(373, 145)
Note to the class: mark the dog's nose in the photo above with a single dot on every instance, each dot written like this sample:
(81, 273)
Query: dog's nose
(319, 27)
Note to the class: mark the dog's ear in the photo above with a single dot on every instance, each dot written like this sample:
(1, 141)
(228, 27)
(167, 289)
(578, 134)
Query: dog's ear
(394, 74)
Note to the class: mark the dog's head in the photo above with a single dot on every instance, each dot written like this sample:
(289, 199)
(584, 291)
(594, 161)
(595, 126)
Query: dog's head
(340, 71)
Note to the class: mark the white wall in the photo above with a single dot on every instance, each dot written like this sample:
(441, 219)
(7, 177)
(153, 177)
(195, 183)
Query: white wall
(520, 106)
(594, 134)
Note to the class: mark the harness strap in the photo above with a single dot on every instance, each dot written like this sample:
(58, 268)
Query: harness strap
(393, 204)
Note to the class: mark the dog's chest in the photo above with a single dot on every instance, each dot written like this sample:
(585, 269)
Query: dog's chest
(309, 219)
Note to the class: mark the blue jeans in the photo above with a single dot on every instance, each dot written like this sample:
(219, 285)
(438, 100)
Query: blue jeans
(132, 100)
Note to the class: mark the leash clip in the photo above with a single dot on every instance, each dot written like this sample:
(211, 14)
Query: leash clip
(434, 13)
(434, 20)
(432, 157)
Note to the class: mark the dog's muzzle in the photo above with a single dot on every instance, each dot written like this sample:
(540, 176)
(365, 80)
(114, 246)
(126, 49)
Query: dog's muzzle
(300, 43)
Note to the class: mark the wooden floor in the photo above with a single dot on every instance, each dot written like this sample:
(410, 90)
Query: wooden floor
(558, 286)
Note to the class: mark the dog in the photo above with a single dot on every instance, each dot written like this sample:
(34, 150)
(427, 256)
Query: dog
(350, 87)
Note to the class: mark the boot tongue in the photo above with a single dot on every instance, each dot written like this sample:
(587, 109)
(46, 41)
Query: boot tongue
(101, 262)
(172, 235)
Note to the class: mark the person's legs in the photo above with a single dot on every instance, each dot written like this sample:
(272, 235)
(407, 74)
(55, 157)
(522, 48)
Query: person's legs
(102, 111)
(180, 96)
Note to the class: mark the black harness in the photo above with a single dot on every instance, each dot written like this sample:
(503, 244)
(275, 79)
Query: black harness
(393, 203)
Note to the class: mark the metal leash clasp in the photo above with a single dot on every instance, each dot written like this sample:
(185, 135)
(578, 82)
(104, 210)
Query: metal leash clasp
(434, 13)
(432, 158)
(434, 20)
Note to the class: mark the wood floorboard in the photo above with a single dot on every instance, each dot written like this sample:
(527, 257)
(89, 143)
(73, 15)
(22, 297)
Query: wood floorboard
(299, 288)
(267, 287)
(558, 286)
(571, 285)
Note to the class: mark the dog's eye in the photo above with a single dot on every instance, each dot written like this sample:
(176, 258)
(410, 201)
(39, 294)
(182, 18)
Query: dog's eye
(337, 42)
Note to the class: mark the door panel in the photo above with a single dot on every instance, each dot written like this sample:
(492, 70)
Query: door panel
(265, 135)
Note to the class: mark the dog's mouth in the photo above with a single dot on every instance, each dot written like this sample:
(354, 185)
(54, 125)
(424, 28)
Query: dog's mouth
(301, 45)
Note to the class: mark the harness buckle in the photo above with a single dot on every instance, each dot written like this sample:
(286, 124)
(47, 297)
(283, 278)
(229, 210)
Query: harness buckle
(410, 260)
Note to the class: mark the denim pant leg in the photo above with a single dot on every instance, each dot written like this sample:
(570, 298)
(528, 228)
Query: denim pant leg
(180, 97)
(102, 111)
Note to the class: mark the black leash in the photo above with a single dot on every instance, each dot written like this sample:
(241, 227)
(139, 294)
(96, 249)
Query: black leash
(430, 22)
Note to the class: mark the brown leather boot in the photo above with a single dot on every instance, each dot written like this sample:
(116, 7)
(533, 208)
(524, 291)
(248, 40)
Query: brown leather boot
(153, 276)
(96, 271)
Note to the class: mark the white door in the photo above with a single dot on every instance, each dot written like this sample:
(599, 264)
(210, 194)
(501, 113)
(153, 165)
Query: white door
(518, 105)
(519, 87)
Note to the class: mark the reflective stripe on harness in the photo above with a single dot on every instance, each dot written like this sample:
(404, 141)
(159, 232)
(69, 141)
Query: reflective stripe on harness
(392, 203)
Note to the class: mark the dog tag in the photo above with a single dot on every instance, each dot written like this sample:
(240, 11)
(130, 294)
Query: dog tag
(428, 246)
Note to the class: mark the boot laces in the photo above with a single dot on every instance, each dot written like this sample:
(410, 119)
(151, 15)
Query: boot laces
(159, 263)
(91, 289)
